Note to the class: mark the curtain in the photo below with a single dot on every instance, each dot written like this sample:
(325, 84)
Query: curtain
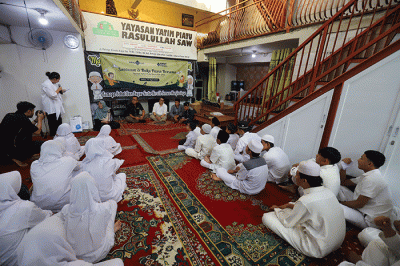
(212, 79)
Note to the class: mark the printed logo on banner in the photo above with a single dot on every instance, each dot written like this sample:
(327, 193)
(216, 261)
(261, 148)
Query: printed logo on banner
(94, 60)
(106, 29)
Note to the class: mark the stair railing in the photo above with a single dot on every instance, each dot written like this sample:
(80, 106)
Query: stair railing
(358, 31)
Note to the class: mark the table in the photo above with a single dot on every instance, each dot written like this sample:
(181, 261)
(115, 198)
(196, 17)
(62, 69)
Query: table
(206, 119)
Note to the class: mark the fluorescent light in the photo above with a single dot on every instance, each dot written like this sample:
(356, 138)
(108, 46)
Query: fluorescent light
(43, 20)
(253, 55)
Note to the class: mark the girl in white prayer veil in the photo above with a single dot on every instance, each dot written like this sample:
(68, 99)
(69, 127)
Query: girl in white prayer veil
(16, 217)
(102, 167)
(72, 146)
(46, 245)
(51, 176)
(89, 223)
(109, 142)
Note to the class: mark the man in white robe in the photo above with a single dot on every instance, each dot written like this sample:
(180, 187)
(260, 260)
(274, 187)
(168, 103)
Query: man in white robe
(204, 144)
(231, 129)
(191, 137)
(314, 225)
(17, 217)
(371, 197)
(110, 144)
(221, 155)
(276, 159)
(215, 127)
(251, 176)
(240, 151)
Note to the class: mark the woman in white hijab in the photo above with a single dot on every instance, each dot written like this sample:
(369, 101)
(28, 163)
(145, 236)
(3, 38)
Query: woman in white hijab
(102, 167)
(111, 145)
(89, 223)
(17, 217)
(72, 146)
(51, 176)
(46, 245)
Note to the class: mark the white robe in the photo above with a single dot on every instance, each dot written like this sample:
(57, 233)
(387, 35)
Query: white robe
(240, 151)
(221, 157)
(315, 226)
(102, 167)
(51, 177)
(72, 146)
(17, 217)
(214, 132)
(191, 138)
(204, 145)
(89, 223)
(278, 165)
(233, 140)
(52, 101)
(46, 245)
(111, 145)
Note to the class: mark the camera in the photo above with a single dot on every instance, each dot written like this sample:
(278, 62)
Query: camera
(39, 112)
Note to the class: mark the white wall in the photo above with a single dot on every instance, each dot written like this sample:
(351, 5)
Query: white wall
(225, 74)
(23, 71)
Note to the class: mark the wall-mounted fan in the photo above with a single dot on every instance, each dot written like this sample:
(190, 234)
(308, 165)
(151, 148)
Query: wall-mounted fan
(40, 38)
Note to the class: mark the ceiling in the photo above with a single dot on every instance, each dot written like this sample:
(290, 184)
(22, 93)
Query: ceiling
(14, 13)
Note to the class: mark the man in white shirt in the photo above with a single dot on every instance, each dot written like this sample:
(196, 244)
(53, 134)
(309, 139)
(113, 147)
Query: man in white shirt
(221, 155)
(251, 176)
(204, 144)
(276, 159)
(240, 151)
(231, 129)
(371, 197)
(314, 225)
(159, 111)
(215, 127)
(190, 138)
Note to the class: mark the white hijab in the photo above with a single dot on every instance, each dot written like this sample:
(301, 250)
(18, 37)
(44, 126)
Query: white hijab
(86, 218)
(109, 142)
(73, 148)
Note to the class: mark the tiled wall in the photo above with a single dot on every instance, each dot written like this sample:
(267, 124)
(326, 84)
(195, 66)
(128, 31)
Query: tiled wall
(251, 74)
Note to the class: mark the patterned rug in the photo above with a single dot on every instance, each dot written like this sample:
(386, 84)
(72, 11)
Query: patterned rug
(149, 126)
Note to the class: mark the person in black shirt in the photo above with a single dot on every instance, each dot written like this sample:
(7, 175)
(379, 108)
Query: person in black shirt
(134, 111)
(16, 133)
(188, 114)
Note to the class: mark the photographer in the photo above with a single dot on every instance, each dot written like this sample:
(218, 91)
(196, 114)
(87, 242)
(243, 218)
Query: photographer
(52, 101)
(16, 133)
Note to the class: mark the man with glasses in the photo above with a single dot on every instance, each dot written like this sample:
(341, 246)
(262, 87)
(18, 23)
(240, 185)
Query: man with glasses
(159, 111)
(134, 111)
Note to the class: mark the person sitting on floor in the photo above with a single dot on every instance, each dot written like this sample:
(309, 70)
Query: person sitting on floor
(371, 196)
(89, 223)
(251, 176)
(240, 151)
(159, 111)
(215, 127)
(72, 146)
(188, 114)
(276, 159)
(327, 158)
(46, 245)
(191, 137)
(176, 111)
(221, 155)
(111, 145)
(231, 129)
(51, 176)
(384, 251)
(314, 225)
(17, 217)
(204, 144)
(134, 111)
(16, 134)
(103, 116)
(99, 163)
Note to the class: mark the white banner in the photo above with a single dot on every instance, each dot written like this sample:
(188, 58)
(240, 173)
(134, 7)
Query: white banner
(123, 36)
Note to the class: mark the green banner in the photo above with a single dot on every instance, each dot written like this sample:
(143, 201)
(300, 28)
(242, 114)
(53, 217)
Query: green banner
(149, 72)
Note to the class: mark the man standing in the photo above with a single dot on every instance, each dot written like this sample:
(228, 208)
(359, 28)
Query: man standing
(176, 111)
(371, 197)
(314, 225)
(159, 111)
(134, 111)
(251, 176)
(16, 133)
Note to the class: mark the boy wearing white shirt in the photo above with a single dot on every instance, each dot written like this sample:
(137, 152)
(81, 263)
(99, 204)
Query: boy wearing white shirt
(215, 127)
(190, 138)
(231, 129)
(204, 144)
(240, 151)
(159, 111)
(221, 155)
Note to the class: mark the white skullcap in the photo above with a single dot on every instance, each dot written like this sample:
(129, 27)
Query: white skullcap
(309, 167)
(268, 138)
(206, 128)
(255, 146)
(94, 73)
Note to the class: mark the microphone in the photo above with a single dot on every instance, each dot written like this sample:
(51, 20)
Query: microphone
(59, 85)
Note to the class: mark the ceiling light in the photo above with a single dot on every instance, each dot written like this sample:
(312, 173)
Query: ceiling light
(42, 20)
(254, 54)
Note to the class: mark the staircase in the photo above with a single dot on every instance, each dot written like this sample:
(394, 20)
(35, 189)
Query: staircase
(356, 37)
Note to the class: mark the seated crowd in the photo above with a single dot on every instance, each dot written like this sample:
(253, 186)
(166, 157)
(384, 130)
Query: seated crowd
(73, 204)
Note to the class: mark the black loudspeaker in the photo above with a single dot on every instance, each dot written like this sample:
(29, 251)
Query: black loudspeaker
(237, 85)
